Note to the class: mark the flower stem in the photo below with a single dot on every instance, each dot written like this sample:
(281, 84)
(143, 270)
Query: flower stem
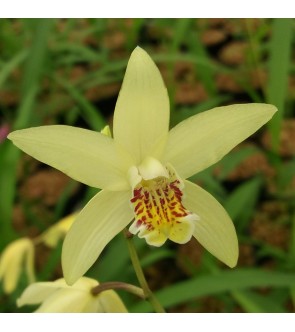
(118, 285)
(140, 275)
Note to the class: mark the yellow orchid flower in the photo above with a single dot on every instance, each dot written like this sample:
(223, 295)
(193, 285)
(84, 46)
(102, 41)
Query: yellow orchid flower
(57, 296)
(18, 254)
(142, 171)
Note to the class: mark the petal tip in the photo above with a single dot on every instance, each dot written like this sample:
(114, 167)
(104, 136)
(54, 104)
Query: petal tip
(232, 260)
(233, 263)
(70, 279)
(11, 135)
(138, 50)
(273, 109)
(69, 276)
(269, 108)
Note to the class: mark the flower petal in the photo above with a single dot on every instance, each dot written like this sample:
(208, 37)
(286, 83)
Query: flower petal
(39, 292)
(66, 300)
(105, 215)
(109, 301)
(86, 156)
(215, 230)
(15, 255)
(141, 116)
(182, 232)
(205, 138)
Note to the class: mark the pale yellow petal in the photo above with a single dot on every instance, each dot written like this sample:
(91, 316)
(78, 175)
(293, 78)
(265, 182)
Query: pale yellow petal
(86, 156)
(38, 292)
(15, 256)
(65, 300)
(84, 284)
(141, 115)
(29, 263)
(92, 305)
(102, 218)
(153, 238)
(109, 301)
(182, 232)
(203, 139)
(215, 230)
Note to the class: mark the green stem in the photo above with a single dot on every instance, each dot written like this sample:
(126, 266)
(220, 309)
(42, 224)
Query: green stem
(149, 295)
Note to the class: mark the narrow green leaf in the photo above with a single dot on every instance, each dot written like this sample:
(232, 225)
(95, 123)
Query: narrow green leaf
(51, 263)
(9, 154)
(8, 164)
(114, 260)
(225, 281)
(255, 303)
(241, 203)
(37, 53)
(81, 52)
(11, 65)
(209, 181)
(180, 32)
(279, 66)
(286, 172)
(90, 114)
(206, 75)
(155, 256)
(234, 159)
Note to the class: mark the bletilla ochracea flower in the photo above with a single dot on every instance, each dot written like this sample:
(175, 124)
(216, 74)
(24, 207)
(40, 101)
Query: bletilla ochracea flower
(143, 169)
(57, 296)
(18, 255)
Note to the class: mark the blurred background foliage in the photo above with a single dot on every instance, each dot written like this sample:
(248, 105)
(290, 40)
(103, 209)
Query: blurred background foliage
(69, 71)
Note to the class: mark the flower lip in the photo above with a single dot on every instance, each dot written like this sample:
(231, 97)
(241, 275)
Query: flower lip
(157, 204)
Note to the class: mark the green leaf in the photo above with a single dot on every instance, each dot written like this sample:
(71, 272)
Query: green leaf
(9, 154)
(11, 65)
(241, 203)
(234, 159)
(256, 303)
(155, 256)
(90, 114)
(279, 66)
(225, 281)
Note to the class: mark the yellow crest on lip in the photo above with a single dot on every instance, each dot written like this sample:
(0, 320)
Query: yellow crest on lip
(159, 212)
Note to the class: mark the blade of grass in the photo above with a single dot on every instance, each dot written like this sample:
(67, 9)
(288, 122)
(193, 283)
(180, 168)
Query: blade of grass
(51, 263)
(90, 114)
(179, 33)
(206, 75)
(11, 65)
(241, 203)
(279, 65)
(82, 53)
(116, 253)
(234, 159)
(9, 154)
(225, 281)
(155, 256)
(8, 163)
(181, 27)
(255, 303)
(133, 34)
(209, 181)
